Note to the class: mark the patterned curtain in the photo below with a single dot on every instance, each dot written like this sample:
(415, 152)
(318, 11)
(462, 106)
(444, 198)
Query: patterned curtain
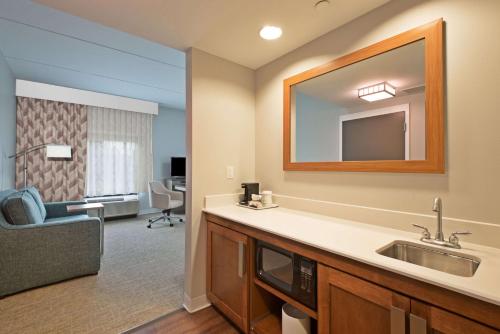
(51, 122)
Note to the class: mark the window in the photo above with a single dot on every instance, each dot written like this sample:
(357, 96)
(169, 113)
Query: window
(119, 157)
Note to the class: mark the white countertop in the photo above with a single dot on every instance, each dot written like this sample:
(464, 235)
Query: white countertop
(359, 242)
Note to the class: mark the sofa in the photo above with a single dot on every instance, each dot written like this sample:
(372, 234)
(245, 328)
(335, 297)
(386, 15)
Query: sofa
(41, 243)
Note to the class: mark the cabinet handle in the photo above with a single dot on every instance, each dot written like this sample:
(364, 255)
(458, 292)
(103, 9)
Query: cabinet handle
(398, 320)
(241, 259)
(417, 325)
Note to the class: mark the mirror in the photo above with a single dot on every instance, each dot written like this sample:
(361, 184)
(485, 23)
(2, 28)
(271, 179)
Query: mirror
(377, 109)
(334, 121)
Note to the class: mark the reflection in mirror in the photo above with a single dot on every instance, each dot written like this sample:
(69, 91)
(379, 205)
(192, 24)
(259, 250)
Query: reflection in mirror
(370, 110)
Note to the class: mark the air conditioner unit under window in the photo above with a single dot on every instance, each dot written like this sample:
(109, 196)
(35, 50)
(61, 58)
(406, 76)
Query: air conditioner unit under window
(117, 206)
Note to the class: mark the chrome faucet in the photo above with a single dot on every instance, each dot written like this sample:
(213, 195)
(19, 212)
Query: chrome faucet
(438, 208)
(452, 242)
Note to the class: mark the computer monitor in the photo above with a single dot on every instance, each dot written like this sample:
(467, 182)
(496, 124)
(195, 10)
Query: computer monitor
(178, 166)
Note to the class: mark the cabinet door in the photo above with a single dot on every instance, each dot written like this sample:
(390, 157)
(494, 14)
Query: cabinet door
(347, 304)
(428, 319)
(227, 278)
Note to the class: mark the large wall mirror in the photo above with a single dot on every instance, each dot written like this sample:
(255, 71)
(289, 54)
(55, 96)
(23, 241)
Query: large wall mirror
(377, 109)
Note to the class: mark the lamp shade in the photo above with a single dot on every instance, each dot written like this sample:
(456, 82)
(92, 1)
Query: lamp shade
(58, 151)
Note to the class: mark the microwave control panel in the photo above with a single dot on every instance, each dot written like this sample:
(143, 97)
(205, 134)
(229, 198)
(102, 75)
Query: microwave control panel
(306, 274)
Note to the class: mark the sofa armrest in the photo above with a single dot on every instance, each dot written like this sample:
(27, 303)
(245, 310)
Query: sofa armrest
(59, 209)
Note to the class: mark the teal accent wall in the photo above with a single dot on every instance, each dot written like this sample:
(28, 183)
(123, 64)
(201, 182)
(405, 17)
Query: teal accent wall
(7, 125)
(169, 140)
(317, 129)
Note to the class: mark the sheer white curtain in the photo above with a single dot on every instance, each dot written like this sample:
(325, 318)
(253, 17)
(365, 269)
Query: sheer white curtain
(119, 156)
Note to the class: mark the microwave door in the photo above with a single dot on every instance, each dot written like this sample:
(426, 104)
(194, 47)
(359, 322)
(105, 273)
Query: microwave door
(276, 267)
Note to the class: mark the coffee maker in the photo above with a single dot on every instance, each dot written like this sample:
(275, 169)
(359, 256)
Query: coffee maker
(250, 189)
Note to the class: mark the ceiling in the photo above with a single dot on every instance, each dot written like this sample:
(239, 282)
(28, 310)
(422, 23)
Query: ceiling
(225, 28)
(46, 45)
(403, 68)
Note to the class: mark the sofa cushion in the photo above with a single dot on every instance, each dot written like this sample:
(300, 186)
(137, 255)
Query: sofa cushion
(38, 199)
(66, 219)
(20, 208)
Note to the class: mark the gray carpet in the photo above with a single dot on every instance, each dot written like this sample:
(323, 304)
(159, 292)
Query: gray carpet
(141, 278)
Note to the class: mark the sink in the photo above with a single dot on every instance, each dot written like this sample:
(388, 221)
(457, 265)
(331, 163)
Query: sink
(434, 258)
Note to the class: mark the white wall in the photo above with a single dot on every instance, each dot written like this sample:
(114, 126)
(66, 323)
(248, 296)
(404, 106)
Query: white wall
(470, 186)
(220, 133)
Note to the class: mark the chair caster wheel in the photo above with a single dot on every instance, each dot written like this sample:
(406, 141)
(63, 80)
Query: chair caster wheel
(149, 226)
(171, 225)
(181, 220)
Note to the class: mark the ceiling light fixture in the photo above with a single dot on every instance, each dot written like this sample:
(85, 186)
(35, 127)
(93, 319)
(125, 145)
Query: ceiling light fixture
(377, 92)
(270, 32)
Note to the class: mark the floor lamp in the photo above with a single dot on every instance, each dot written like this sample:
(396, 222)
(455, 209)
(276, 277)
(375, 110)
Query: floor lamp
(53, 151)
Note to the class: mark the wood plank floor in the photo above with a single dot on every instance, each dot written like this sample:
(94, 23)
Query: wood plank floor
(205, 321)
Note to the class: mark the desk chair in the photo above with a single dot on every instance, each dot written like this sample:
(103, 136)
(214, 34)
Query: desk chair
(166, 200)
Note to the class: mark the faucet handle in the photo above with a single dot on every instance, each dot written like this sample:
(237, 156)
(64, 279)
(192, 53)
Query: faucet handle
(425, 231)
(453, 239)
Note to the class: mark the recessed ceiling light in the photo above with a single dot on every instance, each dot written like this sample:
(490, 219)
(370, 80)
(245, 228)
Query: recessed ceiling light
(270, 32)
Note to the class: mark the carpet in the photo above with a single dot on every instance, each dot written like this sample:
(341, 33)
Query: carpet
(141, 279)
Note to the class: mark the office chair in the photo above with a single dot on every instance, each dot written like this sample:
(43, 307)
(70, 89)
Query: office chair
(166, 200)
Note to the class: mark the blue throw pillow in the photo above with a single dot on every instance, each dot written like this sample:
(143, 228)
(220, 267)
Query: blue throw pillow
(38, 199)
(21, 209)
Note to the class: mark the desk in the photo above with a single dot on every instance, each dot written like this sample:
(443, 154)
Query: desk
(91, 206)
(183, 190)
(180, 188)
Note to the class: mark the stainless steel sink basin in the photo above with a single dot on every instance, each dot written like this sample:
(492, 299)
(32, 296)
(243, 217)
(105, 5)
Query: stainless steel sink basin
(435, 258)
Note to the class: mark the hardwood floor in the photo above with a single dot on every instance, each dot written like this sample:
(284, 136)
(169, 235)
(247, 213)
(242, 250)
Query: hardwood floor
(205, 321)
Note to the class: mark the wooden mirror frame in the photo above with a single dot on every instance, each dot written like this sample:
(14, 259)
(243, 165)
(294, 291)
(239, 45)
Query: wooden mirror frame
(432, 33)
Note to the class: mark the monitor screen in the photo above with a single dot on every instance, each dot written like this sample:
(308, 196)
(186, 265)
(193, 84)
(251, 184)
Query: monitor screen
(178, 166)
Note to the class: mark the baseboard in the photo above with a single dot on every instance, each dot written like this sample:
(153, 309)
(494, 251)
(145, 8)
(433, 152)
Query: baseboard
(196, 304)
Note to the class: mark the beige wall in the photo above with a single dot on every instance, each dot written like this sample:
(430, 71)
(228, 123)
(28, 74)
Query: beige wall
(471, 184)
(220, 120)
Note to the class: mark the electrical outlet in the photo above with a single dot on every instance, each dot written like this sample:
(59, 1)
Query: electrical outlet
(229, 172)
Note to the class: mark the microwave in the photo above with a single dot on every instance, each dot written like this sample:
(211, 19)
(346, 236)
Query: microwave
(288, 272)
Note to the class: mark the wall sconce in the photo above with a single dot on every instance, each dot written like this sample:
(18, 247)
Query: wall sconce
(377, 92)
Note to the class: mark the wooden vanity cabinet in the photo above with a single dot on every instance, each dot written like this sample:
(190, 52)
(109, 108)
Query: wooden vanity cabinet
(428, 319)
(353, 297)
(348, 304)
(227, 278)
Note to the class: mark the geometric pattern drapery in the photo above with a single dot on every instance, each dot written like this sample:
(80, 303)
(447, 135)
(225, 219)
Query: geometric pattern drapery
(52, 122)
